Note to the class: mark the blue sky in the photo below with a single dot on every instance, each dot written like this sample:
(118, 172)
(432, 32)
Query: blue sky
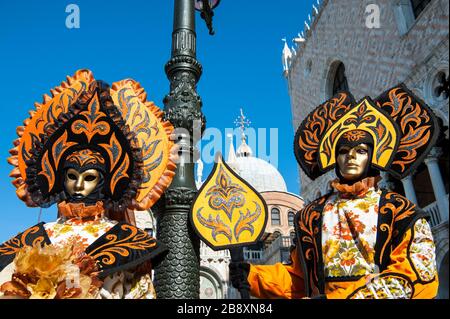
(132, 39)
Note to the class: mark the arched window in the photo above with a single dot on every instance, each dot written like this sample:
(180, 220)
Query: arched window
(292, 236)
(276, 234)
(440, 86)
(340, 79)
(418, 6)
(275, 216)
(291, 217)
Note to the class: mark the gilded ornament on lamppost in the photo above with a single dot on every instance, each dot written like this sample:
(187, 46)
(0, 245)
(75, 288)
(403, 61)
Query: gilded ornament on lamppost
(228, 212)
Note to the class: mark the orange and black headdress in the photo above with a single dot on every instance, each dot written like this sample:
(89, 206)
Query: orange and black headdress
(87, 124)
(401, 128)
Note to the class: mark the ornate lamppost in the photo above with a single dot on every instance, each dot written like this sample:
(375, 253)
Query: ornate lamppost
(177, 276)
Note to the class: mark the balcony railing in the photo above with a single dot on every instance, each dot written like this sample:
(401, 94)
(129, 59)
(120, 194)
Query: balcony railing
(433, 210)
(263, 256)
(253, 255)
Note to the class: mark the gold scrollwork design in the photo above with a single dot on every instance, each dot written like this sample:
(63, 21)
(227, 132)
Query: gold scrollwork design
(245, 221)
(316, 125)
(307, 217)
(135, 240)
(217, 226)
(225, 195)
(47, 171)
(399, 209)
(120, 173)
(13, 245)
(60, 146)
(92, 125)
(384, 228)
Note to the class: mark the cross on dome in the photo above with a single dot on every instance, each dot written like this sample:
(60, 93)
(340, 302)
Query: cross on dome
(262, 175)
(242, 122)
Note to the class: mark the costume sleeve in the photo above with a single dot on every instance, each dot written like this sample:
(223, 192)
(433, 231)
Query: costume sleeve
(277, 281)
(411, 274)
(136, 284)
(124, 285)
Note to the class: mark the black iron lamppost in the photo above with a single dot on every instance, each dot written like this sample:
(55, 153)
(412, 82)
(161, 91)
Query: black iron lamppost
(177, 276)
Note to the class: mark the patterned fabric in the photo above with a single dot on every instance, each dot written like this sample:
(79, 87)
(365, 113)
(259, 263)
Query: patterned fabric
(410, 269)
(423, 251)
(124, 285)
(85, 232)
(120, 285)
(349, 232)
(388, 287)
(423, 256)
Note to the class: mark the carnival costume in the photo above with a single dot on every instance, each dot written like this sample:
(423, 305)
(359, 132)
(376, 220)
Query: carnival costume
(359, 241)
(114, 131)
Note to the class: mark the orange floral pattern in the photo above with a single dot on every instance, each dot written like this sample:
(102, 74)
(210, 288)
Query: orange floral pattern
(387, 287)
(120, 285)
(349, 231)
(423, 251)
(85, 232)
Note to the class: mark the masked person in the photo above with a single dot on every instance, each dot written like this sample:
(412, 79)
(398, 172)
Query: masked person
(359, 241)
(99, 153)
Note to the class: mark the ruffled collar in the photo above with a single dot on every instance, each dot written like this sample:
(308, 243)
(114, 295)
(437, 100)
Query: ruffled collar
(358, 189)
(80, 211)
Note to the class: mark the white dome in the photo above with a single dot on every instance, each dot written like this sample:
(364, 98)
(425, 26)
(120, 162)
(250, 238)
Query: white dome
(262, 175)
(244, 150)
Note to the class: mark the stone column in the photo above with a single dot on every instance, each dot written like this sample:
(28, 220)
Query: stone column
(408, 186)
(436, 179)
(386, 182)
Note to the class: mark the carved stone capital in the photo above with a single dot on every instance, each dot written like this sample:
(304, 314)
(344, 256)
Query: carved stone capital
(180, 196)
(434, 155)
(386, 182)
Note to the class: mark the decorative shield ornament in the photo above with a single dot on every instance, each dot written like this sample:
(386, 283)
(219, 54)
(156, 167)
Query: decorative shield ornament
(227, 211)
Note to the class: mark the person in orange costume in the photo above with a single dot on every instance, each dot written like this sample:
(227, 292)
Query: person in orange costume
(359, 241)
(99, 153)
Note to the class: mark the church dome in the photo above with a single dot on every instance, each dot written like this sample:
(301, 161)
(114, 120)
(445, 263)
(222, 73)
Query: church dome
(260, 174)
(263, 176)
(244, 150)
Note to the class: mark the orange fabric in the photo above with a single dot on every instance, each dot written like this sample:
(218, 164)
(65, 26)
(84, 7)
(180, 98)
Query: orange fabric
(80, 210)
(286, 281)
(277, 281)
(399, 265)
(357, 189)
